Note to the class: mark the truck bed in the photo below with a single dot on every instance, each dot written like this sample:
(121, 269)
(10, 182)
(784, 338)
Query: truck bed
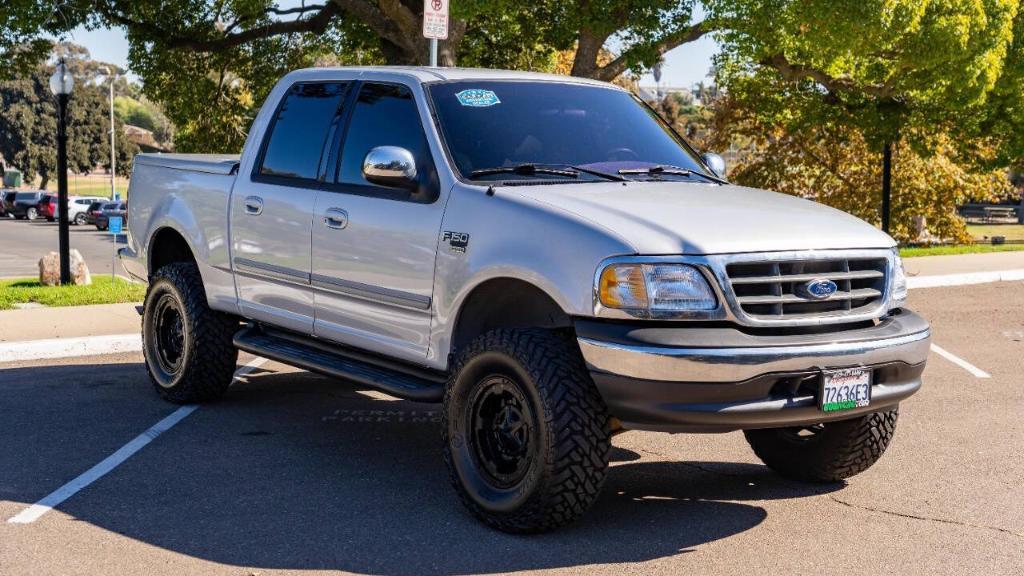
(206, 163)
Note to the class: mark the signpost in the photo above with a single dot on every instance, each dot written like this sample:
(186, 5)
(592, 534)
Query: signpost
(435, 25)
(114, 225)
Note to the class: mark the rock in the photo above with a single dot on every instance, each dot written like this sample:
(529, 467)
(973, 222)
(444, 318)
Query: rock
(49, 269)
(79, 270)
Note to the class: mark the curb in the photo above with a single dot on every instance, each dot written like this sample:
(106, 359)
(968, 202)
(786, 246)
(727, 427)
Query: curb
(964, 278)
(67, 347)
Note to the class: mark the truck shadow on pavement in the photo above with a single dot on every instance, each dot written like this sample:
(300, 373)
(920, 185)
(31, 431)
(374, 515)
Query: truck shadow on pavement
(294, 471)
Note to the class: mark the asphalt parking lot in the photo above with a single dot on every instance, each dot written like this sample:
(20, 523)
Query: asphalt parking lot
(24, 242)
(295, 473)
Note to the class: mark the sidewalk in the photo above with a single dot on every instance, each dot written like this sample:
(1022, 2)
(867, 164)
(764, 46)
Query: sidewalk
(68, 322)
(963, 263)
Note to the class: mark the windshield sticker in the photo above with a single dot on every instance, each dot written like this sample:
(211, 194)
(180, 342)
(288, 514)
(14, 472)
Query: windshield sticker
(477, 98)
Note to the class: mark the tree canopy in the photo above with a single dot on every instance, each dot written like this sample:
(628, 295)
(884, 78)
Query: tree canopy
(28, 125)
(210, 63)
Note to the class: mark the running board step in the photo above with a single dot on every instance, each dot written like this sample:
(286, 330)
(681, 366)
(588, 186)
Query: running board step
(409, 383)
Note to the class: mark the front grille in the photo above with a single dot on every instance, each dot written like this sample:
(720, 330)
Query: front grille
(771, 290)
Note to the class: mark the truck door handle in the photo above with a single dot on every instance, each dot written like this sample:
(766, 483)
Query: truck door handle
(336, 218)
(253, 205)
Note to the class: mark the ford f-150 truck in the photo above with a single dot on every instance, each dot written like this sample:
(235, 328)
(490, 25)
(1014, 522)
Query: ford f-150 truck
(543, 255)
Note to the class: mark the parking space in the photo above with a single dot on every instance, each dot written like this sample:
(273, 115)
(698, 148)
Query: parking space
(24, 242)
(292, 472)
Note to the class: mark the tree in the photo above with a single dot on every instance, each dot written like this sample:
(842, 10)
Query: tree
(28, 127)
(835, 165)
(904, 71)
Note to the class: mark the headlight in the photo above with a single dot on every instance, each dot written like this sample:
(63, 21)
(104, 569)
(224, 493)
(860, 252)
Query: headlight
(654, 288)
(898, 290)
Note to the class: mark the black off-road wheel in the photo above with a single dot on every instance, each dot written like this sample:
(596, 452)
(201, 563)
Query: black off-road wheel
(526, 433)
(188, 347)
(827, 452)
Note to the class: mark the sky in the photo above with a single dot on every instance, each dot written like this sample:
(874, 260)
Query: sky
(683, 67)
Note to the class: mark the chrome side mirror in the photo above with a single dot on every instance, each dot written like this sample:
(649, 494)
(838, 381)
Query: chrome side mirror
(715, 162)
(390, 166)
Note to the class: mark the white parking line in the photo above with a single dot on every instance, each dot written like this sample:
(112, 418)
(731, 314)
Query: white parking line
(977, 372)
(67, 347)
(33, 512)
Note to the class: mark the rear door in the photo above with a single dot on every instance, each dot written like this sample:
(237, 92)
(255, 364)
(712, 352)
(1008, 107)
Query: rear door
(272, 207)
(373, 270)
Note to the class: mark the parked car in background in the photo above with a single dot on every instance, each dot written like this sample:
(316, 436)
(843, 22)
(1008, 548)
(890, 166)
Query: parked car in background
(47, 207)
(6, 202)
(77, 207)
(110, 209)
(93, 211)
(26, 204)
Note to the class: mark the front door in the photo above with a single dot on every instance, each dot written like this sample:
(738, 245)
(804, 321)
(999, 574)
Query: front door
(374, 246)
(272, 208)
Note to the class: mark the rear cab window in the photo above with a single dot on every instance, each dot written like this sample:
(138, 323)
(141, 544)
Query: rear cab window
(294, 144)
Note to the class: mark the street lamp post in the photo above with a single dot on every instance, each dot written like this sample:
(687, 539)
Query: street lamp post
(113, 77)
(61, 84)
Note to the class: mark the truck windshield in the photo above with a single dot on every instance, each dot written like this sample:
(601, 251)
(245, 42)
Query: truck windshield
(507, 130)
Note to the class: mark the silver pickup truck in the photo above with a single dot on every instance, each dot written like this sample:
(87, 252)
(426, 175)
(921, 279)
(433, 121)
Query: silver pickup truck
(542, 254)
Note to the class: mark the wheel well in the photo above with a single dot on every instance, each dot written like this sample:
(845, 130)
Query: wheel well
(506, 303)
(167, 247)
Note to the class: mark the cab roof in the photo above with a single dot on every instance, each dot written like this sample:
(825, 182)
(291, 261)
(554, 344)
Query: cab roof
(440, 74)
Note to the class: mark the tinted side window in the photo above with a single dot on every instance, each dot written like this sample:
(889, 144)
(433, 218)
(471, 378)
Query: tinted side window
(299, 130)
(384, 115)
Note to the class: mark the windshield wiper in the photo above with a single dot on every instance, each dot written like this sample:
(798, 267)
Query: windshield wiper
(673, 170)
(525, 170)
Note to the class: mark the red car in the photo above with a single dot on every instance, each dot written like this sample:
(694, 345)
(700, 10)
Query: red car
(47, 207)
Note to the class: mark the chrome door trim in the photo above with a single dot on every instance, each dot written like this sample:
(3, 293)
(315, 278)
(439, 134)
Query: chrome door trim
(271, 271)
(368, 292)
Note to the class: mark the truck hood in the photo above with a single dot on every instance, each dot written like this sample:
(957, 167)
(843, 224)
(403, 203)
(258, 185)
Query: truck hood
(697, 218)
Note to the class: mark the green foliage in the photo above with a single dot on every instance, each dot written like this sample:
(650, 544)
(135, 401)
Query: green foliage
(836, 165)
(881, 66)
(28, 128)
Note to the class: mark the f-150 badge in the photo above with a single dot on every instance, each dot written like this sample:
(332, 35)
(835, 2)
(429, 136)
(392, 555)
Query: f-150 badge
(457, 241)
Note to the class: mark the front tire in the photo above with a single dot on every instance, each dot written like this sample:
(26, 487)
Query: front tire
(526, 433)
(79, 219)
(31, 214)
(827, 452)
(187, 346)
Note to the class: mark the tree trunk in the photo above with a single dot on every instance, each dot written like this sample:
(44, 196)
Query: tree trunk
(44, 180)
(886, 185)
(588, 48)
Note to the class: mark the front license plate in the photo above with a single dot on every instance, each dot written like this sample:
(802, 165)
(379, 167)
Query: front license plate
(845, 389)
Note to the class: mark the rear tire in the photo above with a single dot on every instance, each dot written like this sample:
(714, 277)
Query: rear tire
(31, 214)
(79, 219)
(827, 452)
(188, 347)
(526, 433)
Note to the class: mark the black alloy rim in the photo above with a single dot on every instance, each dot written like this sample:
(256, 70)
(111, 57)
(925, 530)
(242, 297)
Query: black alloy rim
(503, 428)
(170, 333)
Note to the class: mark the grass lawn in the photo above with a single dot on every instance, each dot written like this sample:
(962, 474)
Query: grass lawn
(984, 232)
(960, 249)
(92, 186)
(101, 291)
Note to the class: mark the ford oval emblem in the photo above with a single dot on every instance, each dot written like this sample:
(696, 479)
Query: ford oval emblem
(819, 288)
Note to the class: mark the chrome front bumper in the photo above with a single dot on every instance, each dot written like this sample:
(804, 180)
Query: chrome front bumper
(720, 379)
